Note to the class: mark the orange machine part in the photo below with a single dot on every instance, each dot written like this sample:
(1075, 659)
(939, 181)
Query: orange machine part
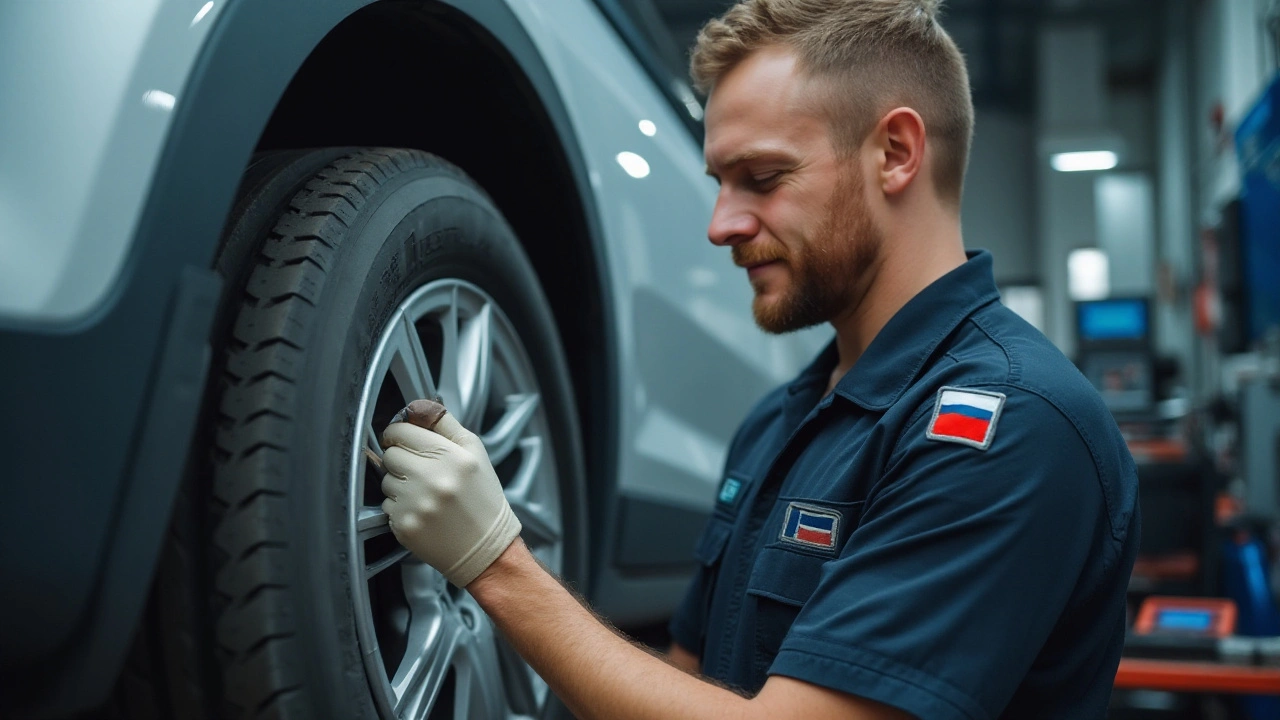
(1177, 676)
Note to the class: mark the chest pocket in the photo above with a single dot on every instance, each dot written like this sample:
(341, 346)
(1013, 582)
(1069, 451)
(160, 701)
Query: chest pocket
(782, 580)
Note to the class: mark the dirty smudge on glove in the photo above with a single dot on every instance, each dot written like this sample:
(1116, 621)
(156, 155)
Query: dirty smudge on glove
(423, 413)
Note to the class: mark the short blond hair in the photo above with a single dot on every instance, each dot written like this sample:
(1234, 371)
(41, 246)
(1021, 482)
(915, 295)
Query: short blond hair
(875, 55)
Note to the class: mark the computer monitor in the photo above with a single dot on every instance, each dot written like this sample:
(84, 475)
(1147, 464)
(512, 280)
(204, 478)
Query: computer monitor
(1115, 352)
(1113, 322)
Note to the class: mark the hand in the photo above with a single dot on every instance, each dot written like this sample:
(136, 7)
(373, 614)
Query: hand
(444, 502)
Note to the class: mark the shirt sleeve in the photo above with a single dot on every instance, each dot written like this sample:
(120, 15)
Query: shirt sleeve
(959, 569)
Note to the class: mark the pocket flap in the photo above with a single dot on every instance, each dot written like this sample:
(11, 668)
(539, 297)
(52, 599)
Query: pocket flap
(711, 544)
(785, 575)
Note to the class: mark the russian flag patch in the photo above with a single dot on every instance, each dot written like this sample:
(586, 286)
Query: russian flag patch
(967, 417)
(810, 526)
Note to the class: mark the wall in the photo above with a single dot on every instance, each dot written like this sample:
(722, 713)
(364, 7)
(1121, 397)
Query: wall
(998, 210)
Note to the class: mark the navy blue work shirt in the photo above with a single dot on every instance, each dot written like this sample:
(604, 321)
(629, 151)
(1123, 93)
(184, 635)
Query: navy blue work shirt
(949, 532)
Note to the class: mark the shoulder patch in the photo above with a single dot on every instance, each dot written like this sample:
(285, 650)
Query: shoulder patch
(965, 416)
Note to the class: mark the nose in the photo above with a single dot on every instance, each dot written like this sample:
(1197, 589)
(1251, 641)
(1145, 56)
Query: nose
(732, 222)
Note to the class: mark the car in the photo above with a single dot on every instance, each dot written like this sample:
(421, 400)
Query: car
(238, 236)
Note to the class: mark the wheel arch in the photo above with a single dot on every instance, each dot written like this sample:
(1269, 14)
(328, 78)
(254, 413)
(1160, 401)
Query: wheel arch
(238, 99)
(482, 99)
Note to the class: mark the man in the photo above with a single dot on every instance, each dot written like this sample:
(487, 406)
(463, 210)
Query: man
(937, 519)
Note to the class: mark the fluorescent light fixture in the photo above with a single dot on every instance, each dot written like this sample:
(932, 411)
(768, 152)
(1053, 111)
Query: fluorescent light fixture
(1086, 160)
(1088, 274)
(648, 128)
(636, 166)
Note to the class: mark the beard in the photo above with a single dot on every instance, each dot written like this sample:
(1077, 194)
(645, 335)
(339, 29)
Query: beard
(830, 273)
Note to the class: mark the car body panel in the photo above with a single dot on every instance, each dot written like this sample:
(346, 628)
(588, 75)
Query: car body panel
(98, 406)
(96, 86)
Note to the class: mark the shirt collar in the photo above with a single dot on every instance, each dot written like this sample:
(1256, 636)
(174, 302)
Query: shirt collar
(902, 346)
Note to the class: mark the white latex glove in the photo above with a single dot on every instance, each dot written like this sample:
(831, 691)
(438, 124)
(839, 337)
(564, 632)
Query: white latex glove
(444, 501)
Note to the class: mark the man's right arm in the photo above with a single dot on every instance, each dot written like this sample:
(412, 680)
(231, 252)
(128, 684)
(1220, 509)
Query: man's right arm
(684, 659)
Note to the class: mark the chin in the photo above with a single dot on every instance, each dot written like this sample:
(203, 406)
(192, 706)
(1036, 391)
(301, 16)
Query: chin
(770, 314)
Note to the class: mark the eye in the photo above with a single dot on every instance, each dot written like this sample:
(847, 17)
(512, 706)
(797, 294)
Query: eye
(765, 181)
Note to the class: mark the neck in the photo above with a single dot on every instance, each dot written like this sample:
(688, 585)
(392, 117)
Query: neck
(908, 263)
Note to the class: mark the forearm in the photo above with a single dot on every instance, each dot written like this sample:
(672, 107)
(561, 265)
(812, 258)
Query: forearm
(595, 672)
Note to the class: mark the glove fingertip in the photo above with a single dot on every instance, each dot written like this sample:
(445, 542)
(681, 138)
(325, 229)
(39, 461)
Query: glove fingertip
(425, 414)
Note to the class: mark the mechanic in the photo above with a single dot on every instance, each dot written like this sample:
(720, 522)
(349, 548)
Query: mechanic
(936, 519)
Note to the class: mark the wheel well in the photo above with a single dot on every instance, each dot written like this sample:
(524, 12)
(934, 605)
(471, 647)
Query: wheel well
(400, 75)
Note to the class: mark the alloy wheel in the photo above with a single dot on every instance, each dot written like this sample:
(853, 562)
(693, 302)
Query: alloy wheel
(429, 650)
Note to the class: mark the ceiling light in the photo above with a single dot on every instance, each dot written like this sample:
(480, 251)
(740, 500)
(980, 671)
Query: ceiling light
(1087, 160)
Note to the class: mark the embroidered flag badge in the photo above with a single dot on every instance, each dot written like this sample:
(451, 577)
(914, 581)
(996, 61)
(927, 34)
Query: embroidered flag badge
(811, 526)
(967, 417)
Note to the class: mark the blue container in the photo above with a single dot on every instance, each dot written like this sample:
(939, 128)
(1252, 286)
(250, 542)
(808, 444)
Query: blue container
(1244, 567)
(1258, 148)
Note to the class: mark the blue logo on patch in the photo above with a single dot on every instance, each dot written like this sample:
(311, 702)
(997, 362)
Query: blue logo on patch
(729, 490)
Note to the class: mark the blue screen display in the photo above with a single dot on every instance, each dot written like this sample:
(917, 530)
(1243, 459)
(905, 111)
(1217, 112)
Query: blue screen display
(1113, 320)
(1196, 620)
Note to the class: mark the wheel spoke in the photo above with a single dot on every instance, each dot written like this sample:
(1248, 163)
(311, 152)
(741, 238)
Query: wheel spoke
(409, 362)
(475, 355)
(540, 526)
(371, 522)
(478, 691)
(463, 690)
(431, 644)
(372, 440)
(425, 667)
(517, 490)
(385, 562)
(502, 439)
(449, 388)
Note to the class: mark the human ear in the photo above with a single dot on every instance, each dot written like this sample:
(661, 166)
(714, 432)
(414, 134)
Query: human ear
(900, 135)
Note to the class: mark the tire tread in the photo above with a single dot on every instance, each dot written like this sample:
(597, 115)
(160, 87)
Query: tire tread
(255, 630)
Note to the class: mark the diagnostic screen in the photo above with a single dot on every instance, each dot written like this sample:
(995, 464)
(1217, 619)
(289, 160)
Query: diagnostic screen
(1113, 320)
(1184, 619)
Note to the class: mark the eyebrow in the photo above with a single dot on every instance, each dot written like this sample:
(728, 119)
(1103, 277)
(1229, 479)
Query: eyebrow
(748, 156)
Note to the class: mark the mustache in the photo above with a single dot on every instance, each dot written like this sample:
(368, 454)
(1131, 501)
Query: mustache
(753, 254)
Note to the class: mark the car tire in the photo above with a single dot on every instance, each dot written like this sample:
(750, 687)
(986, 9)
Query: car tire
(329, 272)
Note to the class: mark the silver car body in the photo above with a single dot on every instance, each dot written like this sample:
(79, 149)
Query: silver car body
(89, 92)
